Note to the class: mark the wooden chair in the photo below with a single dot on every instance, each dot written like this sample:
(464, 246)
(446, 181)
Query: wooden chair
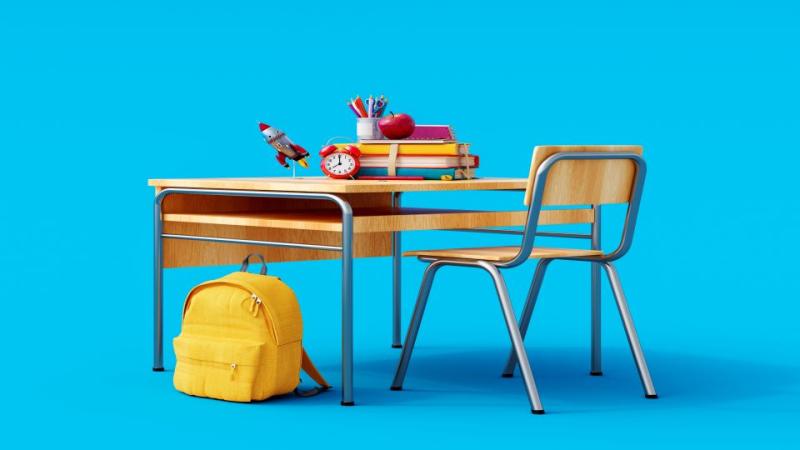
(564, 176)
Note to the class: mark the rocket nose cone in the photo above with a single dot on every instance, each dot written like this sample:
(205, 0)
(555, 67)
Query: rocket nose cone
(262, 126)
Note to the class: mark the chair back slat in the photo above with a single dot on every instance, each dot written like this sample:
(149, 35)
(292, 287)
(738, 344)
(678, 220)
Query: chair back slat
(584, 182)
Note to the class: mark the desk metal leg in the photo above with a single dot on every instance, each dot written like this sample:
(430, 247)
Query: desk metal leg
(397, 260)
(596, 365)
(158, 292)
(347, 304)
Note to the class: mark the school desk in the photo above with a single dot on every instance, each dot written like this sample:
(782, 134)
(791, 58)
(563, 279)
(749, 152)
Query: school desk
(292, 219)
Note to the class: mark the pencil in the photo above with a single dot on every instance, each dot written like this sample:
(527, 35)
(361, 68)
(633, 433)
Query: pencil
(350, 104)
(360, 106)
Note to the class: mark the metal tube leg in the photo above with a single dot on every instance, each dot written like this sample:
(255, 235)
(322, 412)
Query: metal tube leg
(596, 362)
(158, 291)
(516, 337)
(413, 326)
(630, 331)
(527, 312)
(347, 306)
(396, 282)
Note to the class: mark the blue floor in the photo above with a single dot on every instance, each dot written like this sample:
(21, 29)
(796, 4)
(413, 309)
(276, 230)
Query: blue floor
(717, 385)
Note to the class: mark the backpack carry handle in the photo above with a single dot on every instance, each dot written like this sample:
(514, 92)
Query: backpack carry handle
(246, 263)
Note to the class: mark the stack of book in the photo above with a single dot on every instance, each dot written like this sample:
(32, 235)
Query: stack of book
(431, 153)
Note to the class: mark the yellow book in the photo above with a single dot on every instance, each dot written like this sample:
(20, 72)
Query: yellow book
(450, 149)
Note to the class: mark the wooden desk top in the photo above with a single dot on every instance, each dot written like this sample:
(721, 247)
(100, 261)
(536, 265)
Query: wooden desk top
(327, 185)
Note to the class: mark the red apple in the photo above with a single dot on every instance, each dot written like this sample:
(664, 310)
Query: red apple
(396, 126)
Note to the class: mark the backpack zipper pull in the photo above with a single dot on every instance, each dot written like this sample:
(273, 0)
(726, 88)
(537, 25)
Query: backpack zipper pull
(256, 303)
(233, 369)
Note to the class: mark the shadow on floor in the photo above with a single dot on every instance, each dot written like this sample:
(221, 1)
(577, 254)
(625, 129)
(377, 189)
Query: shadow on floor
(450, 376)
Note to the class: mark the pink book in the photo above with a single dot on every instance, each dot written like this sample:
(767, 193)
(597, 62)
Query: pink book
(432, 133)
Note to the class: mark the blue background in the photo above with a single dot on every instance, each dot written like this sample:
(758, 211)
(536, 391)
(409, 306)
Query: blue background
(97, 98)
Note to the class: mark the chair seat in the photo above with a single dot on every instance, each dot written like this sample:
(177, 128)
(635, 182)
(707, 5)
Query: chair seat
(500, 253)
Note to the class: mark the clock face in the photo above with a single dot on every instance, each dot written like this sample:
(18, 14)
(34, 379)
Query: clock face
(341, 164)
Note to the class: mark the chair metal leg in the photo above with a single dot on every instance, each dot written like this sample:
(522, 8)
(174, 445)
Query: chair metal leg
(413, 326)
(596, 368)
(527, 312)
(516, 337)
(630, 331)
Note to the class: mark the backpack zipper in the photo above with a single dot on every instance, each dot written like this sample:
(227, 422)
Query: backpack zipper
(233, 369)
(233, 366)
(254, 307)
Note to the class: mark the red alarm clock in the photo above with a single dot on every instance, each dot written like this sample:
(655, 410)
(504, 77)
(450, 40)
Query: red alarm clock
(340, 162)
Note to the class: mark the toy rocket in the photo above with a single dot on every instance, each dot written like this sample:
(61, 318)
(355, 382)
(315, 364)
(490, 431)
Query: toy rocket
(285, 147)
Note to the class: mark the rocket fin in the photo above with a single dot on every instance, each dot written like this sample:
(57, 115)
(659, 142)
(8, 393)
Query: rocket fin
(282, 160)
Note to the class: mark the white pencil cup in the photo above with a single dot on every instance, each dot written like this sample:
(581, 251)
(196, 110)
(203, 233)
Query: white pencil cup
(367, 128)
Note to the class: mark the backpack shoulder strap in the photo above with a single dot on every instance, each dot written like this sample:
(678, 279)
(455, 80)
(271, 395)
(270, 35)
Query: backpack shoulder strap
(312, 371)
(309, 368)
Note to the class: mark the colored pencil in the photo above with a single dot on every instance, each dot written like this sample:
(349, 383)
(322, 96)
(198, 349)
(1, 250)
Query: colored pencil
(360, 105)
(353, 108)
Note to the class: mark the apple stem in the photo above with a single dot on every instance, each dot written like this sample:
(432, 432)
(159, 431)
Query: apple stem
(391, 113)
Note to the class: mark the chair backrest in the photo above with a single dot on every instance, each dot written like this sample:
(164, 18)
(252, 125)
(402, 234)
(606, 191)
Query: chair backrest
(584, 182)
(583, 175)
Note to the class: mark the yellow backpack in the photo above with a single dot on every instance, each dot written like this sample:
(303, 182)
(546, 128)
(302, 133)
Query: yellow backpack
(241, 339)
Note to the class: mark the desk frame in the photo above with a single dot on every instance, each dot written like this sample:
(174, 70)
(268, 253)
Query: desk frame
(346, 250)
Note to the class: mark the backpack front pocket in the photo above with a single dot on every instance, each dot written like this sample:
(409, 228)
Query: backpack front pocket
(216, 368)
